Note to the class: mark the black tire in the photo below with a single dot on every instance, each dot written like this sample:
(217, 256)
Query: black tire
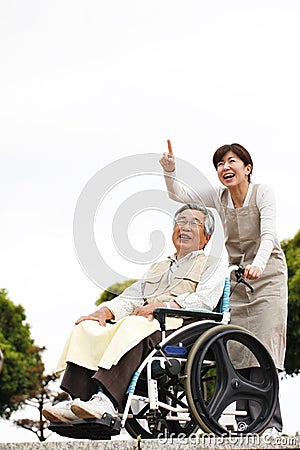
(213, 383)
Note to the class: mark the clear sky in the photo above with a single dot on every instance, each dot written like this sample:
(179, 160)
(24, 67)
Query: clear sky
(86, 83)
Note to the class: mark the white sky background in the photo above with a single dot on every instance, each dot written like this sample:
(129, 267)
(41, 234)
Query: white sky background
(85, 83)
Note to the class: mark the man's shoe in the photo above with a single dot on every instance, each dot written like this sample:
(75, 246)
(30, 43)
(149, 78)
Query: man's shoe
(60, 412)
(270, 433)
(98, 405)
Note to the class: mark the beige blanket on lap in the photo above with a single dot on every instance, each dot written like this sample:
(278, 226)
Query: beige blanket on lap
(90, 345)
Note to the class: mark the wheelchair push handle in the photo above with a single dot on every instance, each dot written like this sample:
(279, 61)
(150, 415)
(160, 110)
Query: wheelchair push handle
(239, 272)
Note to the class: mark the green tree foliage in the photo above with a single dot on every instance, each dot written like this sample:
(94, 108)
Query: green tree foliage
(22, 366)
(113, 290)
(291, 249)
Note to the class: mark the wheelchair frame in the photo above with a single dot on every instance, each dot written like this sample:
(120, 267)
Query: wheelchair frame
(193, 383)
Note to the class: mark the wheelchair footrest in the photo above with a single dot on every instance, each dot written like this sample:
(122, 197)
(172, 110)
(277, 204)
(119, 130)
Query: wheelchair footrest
(94, 429)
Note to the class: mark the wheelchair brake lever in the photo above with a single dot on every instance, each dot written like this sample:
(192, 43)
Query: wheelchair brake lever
(172, 366)
(159, 349)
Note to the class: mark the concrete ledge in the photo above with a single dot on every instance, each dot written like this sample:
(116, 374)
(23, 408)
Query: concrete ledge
(207, 443)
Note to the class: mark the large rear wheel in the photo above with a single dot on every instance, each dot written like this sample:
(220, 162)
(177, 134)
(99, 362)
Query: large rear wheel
(216, 388)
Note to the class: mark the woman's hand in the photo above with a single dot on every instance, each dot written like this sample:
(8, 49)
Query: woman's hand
(252, 272)
(167, 161)
(101, 316)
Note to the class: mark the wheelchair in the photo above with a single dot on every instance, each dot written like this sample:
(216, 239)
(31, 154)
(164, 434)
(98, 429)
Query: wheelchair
(190, 381)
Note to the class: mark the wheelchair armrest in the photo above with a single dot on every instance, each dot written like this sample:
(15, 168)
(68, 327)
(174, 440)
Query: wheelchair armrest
(161, 313)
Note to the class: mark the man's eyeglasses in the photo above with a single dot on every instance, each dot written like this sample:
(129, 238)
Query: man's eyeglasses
(182, 221)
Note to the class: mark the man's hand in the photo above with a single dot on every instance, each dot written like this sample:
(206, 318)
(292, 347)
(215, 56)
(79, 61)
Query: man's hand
(147, 311)
(101, 316)
(252, 272)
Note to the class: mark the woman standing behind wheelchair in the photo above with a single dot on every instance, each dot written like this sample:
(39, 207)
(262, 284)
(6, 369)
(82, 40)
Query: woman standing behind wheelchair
(248, 214)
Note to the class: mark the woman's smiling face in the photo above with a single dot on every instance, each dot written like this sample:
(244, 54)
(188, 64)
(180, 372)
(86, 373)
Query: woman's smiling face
(232, 170)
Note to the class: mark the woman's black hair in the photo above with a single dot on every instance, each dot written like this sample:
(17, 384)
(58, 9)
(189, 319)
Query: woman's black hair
(239, 150)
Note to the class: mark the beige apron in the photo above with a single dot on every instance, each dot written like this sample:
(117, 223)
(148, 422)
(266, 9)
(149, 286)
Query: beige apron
(263, 312)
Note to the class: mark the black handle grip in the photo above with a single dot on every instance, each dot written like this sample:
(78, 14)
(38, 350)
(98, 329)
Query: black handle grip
(239, 278)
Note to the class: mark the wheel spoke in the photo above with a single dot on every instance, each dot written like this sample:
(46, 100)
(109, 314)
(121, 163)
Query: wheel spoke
(222, 396)
(260, 393)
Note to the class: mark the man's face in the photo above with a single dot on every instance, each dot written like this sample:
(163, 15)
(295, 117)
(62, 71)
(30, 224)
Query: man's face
(188, 234)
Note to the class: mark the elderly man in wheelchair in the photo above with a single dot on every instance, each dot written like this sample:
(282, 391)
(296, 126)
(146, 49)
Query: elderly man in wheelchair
(158, 360)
